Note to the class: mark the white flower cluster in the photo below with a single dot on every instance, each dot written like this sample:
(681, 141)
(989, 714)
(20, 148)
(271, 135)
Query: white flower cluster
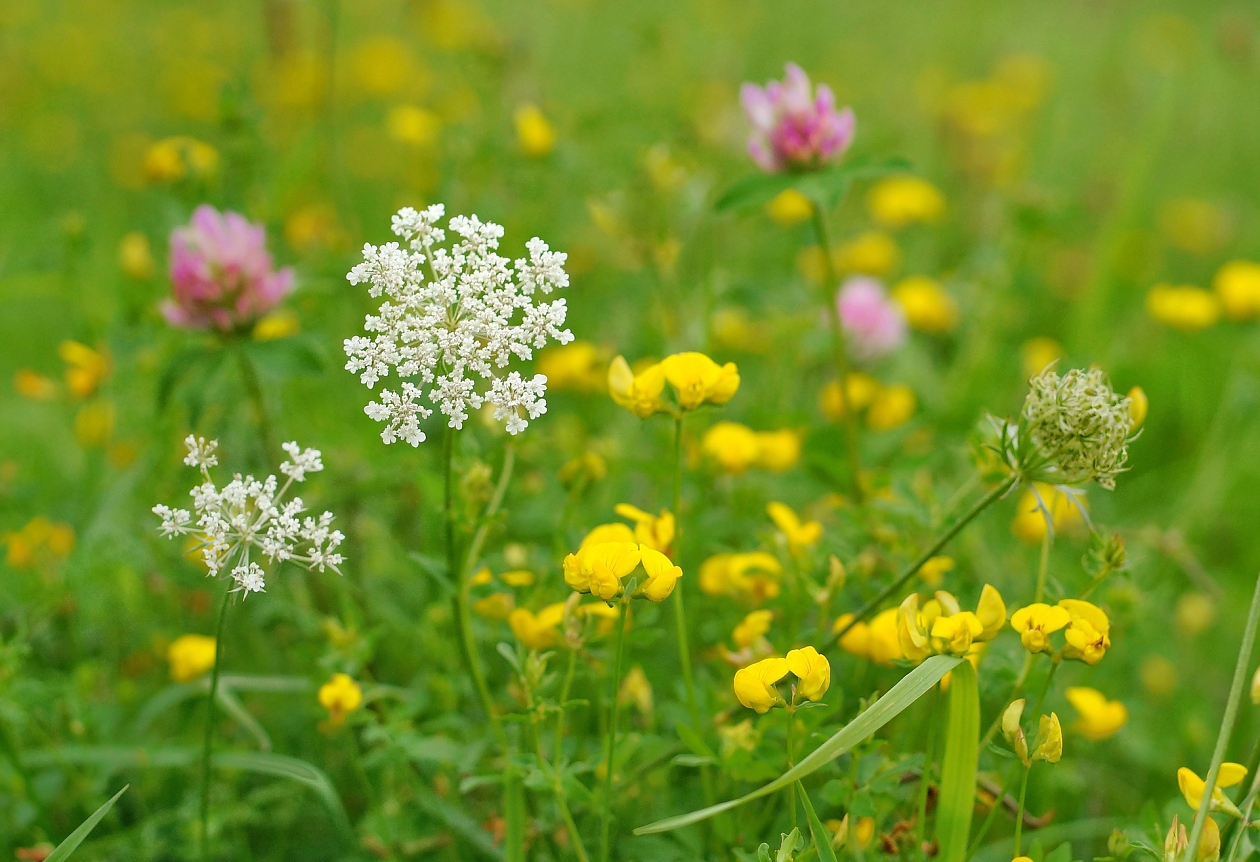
(248, 514)
(454, 318)
(1080, 425)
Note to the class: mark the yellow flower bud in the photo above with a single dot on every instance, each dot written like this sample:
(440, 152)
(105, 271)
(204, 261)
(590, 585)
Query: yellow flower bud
(1012, 730)
(1049, 739)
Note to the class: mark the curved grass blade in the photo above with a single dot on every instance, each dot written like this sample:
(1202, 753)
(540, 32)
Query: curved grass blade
(957, 799)
(822, 837)
(909, 689)
(233, 707)
(283, 766)
(78, 836)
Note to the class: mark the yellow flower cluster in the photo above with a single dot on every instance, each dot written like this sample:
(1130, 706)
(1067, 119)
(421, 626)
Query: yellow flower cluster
(576, 366)
(341, 696)
(734, 447)
(1183, 307)
(1086, 629)
(886, 407)
(799, 535)
(897, 201)
(756, 685)
(39, 542)
(1049, 742)
(172, 159)
(875, 641)
(599, 568)
(751, 577)
(190, 656)
(695, 379)
(941, 626)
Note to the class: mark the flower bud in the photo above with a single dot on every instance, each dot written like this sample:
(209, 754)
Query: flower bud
(1175, 842)
(1013, 732)
(1049, 739)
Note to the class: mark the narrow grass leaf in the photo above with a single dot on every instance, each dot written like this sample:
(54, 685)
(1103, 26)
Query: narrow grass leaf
(822, 837)
(514, 815)
(957, 798)
(78, 836)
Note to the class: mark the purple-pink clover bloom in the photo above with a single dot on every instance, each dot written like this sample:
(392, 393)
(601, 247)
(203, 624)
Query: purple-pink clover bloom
(794, 126)
(873, 323)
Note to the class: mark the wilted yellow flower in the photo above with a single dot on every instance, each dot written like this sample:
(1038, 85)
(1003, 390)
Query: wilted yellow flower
(135, 257)
(860, 390)
(85, 367)
(639, 393)
(812, 670)
(1192, 787)
(33, 385)
(870, 253)
(1183, 307)
(697, 379)
(1036, 622)
(892, 407)
(1049, 739)
(751, 628)
(933, 571)
(1099, 718)
(901, 200)
(799, 535)
(654, 531)
(409, 124)
(190, 656)
(752, 577)
(1139, 404)
(926, 305)
(1038, 354)
(94, 423)
(341, 696)
(1194, 614)
(281, 323)
(1237, 285)
(1194, 225)
(534, 131)
(576, 365)
(754, 685)
(635, 689)
(789, 207)
(1088, 631)
(1029, 525)
(537, 631)
(732, 446)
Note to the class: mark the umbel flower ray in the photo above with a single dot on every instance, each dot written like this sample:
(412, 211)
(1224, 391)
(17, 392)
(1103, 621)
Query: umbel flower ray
(452, 320)
(248, 519)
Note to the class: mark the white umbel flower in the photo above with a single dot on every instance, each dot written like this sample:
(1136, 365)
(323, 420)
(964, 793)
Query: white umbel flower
(452, 320)
(250, 516)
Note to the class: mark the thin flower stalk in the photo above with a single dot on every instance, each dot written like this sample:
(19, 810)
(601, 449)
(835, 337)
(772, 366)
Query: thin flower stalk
(613, 712)
(207, 750)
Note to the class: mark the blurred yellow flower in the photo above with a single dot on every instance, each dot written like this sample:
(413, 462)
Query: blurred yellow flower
(1139, 405)
(892, 407)
(576, 365)
(1029, 525)
(341, 696)
(85, 367)
(94, 423)
(281, 323)
(752, 628)
(1194, 614)
(697, 379)
(1183, 307)
(1195, 225)
(172, 159)
(1237, 285)
(653, 531)
(1038, 354)
(1192, 787)
(1088, 631)
(926, 305)
(933, 571)
(33, 385)
(812, 670)
(1099, 718)
(731, 446)
(190, 656)
(135, 257)
(870, 253)
(1036, 622)
(1158, 675)
(663, 169)
(639, 393)
(534, 132)
(313, 226)
(412, 125)
(877, 640)
(583, 470)
(755, 685)
(496, 606)
(635, 689)
(518, 578)
(537, 631)
(864, 832)
(789, 207)
(778, 451)
(381, 65)
(860, 390)
(901, 200)
(799, 535)
(752, 577)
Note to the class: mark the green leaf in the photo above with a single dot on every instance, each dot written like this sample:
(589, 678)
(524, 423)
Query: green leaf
(826, 187)
(753, 190)
(77, 837)
(957, 798)
(233, 707)
(909, 689)
(283, 766)
(692, 740)
(822, 837)
(514, 815)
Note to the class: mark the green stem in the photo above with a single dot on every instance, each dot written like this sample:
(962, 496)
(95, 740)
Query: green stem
(680, 612)
(791, 746)
(564, 697)
(941, 541)
(998, 802)
(614, 689)
(1010, 698)
(1043, 566)
(925, 776)
(1019, 815)
(840, 350)
(208, 748)
(1045, 688)
(562, 801)
(253, 389)
(1227, 722)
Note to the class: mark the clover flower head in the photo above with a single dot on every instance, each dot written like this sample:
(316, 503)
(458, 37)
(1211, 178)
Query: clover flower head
(1080, 427)
(874, 324)
(452, 320)
(795, 126)
(247, 516)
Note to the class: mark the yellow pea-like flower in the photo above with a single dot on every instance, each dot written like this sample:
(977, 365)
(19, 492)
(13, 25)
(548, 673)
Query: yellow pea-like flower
(733, 447)
(752, 577)
(1192, 787)
(341, 696)
(933, 571)
(190, 656)
(697, 379)
(1036, 622)
(576, 366)
(1088, 631)
(654, 531)
(755, 684)
(662, 574)
(778, 451)
(85, 367)
(1029, 525)
(799, 535)
(1099, 718)
(1049, 739)
(617, 532)
(1013, 730)
(639, 393)
(954, 634)
(901, 200)
(912, 630)
(926, 305)
(812, 670)
(534, 132)
(1209, 842)
(537, 631)
(991, 611)
(752, 628)
(598, 569)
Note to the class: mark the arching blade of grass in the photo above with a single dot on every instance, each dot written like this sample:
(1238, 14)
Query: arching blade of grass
(78, 836)
(822, 838)
(957, 800)
(283, 766)
(909, 689)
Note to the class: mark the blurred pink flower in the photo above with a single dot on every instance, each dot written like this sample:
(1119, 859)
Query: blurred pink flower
(793, 128)
(873, 323)
(221, 274)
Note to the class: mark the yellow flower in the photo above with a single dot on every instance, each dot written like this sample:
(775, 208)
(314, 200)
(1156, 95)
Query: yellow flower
(1035, 623)
(864, 832)
(1049, 739)
(892, 407)
(732, 446)
(662, 575)
(799, 536)
(85, 367)
(496, 606)
(751, 628)
(534, 132)
(1193, 614)
(1099, 718)
(928, 308)
(789, 207)
(1087, 633)
(859, 391)
(190, 656)
(1183, 307)
(341, 696)
(599, 568)
(1139, 404)
(518, 578)
(857, 640)
(280, 323)
(635, 689)
(584, 470)
(576, 365)
(752, 577)
(1194, 225)
(135, 258)
(941, 626)
(1237, 284)
(991, 611)
(652, 531)
(812, 670)
(94, 423)
(901, 200)
(638, 393)
(871, 253)
(33, 385)
(754, 685)
(1192, 787)
(1029, 525)
(1013, 731)
(778, 451)
(1209, 842)
(408, 124)
(933, 571)
(608, 533)
(699, 380)
(1158, 675)
(1038, 354)
(539, 631)
(954, 634)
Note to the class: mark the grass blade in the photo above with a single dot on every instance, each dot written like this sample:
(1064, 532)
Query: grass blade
(909, 689)
(78, 836)
(514, 814)
(957, 799)
(822, 837)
